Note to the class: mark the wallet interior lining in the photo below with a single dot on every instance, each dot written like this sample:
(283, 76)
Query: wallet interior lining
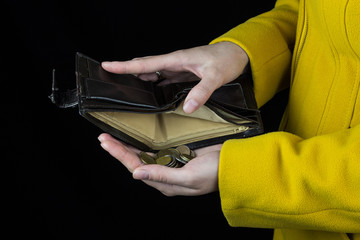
(173, 128)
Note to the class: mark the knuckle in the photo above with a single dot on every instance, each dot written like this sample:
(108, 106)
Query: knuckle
(126, 67)
(158, 175)
(161, 178)
(182, 57)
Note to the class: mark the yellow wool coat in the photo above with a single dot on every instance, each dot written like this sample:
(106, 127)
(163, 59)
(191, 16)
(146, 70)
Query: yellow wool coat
(304, 181)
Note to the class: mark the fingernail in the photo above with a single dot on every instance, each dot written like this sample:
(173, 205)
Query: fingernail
(190, 106)
(141, 174)
(100, 138)
(105, 64)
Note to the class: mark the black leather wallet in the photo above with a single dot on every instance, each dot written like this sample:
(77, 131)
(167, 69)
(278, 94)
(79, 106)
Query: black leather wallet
(149, 116)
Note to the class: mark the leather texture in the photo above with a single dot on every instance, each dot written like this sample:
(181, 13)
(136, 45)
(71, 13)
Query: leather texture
(105, 99)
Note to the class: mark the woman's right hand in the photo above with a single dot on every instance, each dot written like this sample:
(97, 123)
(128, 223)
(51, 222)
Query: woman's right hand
(215, 65)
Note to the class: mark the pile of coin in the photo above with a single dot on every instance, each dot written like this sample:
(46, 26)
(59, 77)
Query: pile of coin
(172, 157)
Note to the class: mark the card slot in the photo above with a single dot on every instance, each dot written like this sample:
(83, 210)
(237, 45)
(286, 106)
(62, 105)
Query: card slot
(95, 71)
(161, 96)
(160, 99)
(116, 93)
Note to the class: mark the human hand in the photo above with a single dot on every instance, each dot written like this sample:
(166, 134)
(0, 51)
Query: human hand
(215, 65)
(199, 176)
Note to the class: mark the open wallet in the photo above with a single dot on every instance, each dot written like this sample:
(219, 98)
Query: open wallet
(150, 116)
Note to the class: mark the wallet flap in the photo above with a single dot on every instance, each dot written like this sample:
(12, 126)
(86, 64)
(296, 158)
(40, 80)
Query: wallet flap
(120, 93)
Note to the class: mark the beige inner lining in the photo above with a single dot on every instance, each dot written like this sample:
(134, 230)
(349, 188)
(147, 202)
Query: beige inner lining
(173, 128)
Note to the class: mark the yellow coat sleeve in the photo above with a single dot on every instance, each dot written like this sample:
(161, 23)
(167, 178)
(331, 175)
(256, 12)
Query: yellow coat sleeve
(279, 180)
(268, 40)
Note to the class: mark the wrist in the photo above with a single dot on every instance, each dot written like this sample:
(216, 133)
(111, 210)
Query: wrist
(233, 48)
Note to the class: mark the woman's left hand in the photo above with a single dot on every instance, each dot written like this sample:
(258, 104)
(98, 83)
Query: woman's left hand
(199, 176)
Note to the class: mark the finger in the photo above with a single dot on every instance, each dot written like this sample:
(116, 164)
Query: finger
(162, 174)
(148, 77)
(169, 181)
(199, 94)
(172, 190)
(144, 65)
(122, 153)
(107, 137)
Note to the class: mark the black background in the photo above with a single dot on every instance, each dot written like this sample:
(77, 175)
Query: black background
(64, 185)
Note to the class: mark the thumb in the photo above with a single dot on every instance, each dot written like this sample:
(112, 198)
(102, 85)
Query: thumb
(198, 96)
(158, 173)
